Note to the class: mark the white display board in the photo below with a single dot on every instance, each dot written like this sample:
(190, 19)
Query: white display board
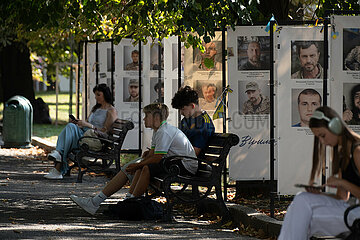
(249, 104)
(171, 75)
(207, 82)
(297, 97)
(345, 68)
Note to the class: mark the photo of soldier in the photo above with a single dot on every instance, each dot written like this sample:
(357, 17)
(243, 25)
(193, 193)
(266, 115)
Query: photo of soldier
(253, 53)
(306, 61)
(351, 49)
(255, 100)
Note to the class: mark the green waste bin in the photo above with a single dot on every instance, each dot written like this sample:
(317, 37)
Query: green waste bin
(17, 123)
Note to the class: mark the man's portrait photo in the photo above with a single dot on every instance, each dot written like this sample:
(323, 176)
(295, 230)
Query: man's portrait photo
(175, 59)
(306, 59)
(304, 103)
(131, 59)
(154, 57)
(254, 97)
(253, 53)
(208, 92)
(210, 59)
(156, 90)
(108, 60)
(351, 49)
(351, 103)
(131, 90)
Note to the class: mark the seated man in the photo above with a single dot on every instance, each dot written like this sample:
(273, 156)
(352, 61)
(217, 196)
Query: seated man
(167, 141)
(197, 126)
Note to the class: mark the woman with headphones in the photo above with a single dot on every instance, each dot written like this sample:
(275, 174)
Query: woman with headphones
(315, 212)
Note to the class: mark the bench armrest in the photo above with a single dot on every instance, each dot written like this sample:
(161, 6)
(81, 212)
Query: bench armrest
(99, 138)
(170, 163)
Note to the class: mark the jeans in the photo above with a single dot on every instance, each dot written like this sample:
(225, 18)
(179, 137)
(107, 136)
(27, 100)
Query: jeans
(67, 141)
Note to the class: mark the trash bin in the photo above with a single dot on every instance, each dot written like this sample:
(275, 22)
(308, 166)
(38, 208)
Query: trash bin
(17, 122)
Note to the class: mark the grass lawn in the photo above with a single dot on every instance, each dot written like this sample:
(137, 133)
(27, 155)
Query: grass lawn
(51, 131)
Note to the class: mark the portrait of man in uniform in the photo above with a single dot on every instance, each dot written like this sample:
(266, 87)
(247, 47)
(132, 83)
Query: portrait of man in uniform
(351, 49)
(133, 91)
(256, 102)
(134, 65)
(253, 53)
(306, 63)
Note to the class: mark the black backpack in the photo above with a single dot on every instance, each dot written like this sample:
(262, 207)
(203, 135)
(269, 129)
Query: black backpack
(136, 209)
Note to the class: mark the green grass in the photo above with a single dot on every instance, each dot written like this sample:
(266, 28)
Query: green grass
(63, 105)
(50, 132)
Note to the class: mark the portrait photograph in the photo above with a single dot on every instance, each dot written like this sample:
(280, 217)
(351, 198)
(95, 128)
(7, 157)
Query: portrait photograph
(253, 97)
(307, 59)
(130, 89)
(351, 103)
(131, 58)
(108, 60)
(156, 90)
(351, 49)
(253, 53)
(303, 103)
(154, 57)
(174, 56)
(210, 59)
(208, 92)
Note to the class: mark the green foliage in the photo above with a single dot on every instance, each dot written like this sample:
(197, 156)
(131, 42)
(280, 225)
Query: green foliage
(352, 5)
(52, 28)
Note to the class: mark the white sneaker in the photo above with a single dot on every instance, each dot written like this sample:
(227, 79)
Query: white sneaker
(54, 156)
(54, 174)
(85, 203)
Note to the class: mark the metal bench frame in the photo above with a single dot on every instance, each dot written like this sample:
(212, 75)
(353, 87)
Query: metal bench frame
(100, 161)
(211, 165)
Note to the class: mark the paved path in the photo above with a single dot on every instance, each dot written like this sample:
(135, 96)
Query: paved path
(32, 207)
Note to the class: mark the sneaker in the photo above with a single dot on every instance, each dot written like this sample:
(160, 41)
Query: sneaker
(55, 156)
(54, 174)
(85, 203)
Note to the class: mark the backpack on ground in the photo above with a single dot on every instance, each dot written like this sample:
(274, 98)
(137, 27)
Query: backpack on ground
(136, 209)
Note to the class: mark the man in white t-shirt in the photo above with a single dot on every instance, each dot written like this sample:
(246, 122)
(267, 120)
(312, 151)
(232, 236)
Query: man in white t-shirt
(167, 141)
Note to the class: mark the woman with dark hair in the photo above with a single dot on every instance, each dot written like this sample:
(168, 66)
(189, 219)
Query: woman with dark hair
(315, 212)
(102, 115)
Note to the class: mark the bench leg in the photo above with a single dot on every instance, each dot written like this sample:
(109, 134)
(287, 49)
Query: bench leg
(168, 205)
(80, 175)
(223, 208)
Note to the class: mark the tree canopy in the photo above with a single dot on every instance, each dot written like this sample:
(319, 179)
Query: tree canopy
(51, 28)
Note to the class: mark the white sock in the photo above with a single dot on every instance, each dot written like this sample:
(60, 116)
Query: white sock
(99, 198)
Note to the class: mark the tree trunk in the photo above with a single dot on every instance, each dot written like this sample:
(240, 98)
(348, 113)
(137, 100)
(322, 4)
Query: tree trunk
(15, 72)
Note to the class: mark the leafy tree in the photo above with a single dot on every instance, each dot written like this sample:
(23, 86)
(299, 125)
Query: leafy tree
(52, 28)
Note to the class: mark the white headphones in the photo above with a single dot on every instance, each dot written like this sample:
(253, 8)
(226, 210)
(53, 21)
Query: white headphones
(335, 124)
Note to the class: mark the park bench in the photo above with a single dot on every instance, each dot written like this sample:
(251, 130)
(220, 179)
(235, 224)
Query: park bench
(211, 163)
(88, 160)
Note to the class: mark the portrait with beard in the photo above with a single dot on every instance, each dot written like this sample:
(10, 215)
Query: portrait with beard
(255, 100)
(352, 116)
(253, 53)
(306, 60)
